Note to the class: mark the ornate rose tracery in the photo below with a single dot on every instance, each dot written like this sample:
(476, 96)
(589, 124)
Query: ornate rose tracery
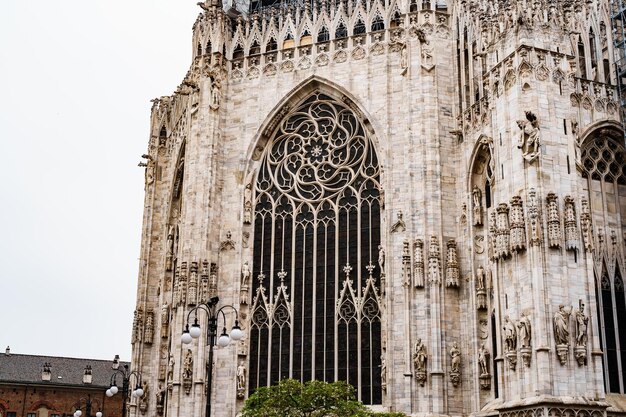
(316, 231)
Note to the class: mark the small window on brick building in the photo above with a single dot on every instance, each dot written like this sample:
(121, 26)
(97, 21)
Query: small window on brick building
(31, 415)
(11, 414)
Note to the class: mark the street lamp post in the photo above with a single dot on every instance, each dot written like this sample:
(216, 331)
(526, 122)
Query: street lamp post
(78, 406)
(126, 375)
(210, 307)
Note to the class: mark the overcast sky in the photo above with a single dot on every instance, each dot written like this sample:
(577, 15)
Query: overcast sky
(76, 78)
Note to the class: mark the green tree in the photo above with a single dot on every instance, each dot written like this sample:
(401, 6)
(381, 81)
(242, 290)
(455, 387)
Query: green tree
(290, 398)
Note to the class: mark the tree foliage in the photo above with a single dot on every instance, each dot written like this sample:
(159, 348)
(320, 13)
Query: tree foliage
(290, 398)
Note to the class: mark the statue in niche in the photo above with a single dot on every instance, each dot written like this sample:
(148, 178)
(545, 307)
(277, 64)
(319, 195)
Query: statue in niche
(165, 319)
(529, 141)
(575, 133)
(477, 206)
(241, 380)
(188, 371)
(381, 259)
(582, 320)
(160, 399)
(170, 249)
(480, 278)
(483, 355)
(561, 321)
(247, 204)
(419, 356)
(510, 335)
(383, 372)
(215, 94)
(170, 368)
(245, 275)
(455, 372)
(524, 332)
(561, 333)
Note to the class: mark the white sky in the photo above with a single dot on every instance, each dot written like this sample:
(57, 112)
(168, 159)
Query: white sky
(76, 78)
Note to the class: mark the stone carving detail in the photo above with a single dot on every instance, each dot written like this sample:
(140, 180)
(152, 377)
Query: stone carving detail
(554, 221)
(399, 225)
(192, 291)
(481, 292)
(510, 342)
(434, 263)
(518, 226)
(406, 264)
(137, 325)
(245, 282)
(175, 290)
(561, 333)
(188, 372)
(204, 282)
(165, 320)
(502, 232)
(483, 362)
(452, 265)
(247, 204)
(582, 320)
(241, 380)
(419, 362)
(213, 281)
(381, 259)
(143, 400)
(529, 141)
(163, 356)
(571, 229)
(477, 206)
(229, 243)
(479, 244)
(455, 371)
(523, 338)
(418, 263)
(463, 216)
(182, 284)
(534, 218)
(160, 400)
(586, 226)
(149, 331)
(491, 238)
(170, 249)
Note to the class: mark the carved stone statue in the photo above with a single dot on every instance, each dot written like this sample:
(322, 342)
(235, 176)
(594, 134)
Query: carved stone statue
(419, 361)
(477, 206)
(561, 333)
(455, 364)
(170, 249)
(149, 332)
(381, 259)
(480, 278)
(170, 368)
(483, 362)
(580, 350)
(524, 332)
(188, 371)
(241, 380)
(160, 399)
(383, 372)
(165, 320)
(510, 335)
(529, 141)
(247, 204)
(245, 275)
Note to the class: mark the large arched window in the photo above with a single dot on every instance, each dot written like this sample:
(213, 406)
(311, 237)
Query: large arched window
(604, 166)
(316, 308)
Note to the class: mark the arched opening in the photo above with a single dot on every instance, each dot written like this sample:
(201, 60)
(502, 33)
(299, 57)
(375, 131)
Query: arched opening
(272, 45)
(316, 308)
(255, 48)
(378, 24)
(208, 49)
(323, 35)
(359, 28)
(341, 31)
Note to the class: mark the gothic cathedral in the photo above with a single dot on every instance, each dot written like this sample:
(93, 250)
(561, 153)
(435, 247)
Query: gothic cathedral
(419, 197)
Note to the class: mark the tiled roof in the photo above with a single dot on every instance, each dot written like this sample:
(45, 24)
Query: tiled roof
(15, 368)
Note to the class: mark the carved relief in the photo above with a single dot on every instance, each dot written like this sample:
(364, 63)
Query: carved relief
(419, 361)
(192, 291)
(399, 225)
(182, 284)
(204, 282)
(534, 218)
(502, 232)
(491, 238)
(434, 263)
(149, 331)
(418, 266)
(229, 243)
(571, 229)
(213, 281)
(406, 264)
(137, 326)
(518, 226)
(586, 226)
(554, 221)
(452, 265)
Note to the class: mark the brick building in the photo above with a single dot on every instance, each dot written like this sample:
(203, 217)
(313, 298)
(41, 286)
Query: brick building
(47, 386)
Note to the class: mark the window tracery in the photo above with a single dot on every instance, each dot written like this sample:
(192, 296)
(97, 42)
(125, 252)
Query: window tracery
(316, 307)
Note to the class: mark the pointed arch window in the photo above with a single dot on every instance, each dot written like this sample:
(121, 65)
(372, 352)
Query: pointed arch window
(316, 305)
(341, 31)
(378, 24)
(359, 28)
(323, 35)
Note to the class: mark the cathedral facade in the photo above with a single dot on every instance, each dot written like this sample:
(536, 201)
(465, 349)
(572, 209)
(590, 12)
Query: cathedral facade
(421, 198)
